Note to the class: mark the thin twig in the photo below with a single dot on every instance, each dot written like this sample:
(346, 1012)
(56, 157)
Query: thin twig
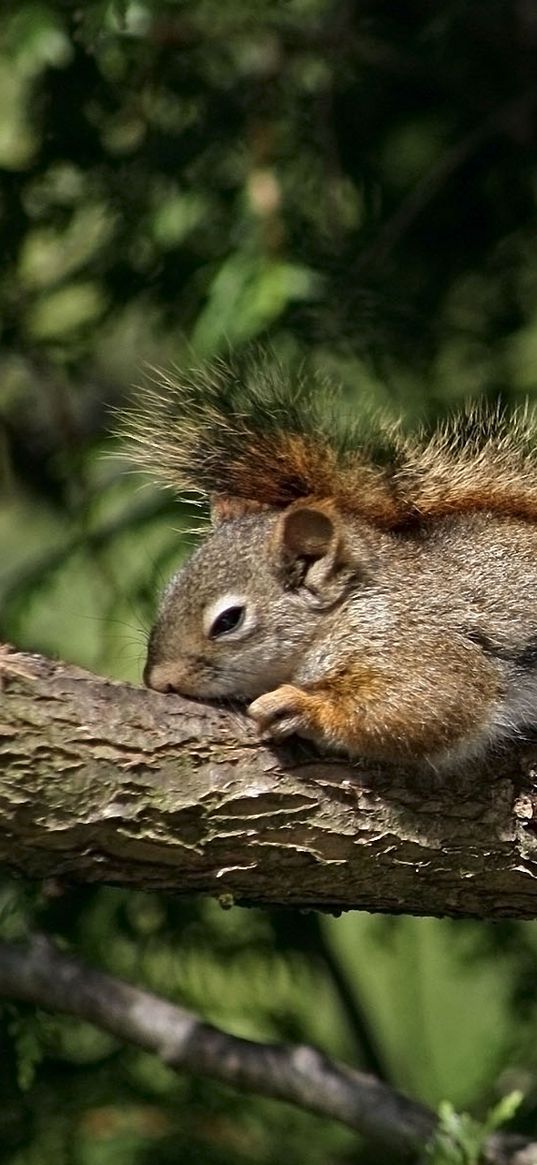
(300, 1075)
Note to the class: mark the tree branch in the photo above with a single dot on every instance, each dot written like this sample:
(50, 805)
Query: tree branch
(300, 1075)
(105, 782)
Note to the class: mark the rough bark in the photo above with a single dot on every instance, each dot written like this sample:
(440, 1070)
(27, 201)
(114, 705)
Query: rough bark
(106, 782)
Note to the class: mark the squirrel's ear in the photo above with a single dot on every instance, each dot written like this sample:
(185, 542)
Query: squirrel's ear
(308, 544)
(225, 508)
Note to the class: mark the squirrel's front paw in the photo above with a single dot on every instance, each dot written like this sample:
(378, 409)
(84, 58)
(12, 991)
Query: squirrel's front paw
(282, 712)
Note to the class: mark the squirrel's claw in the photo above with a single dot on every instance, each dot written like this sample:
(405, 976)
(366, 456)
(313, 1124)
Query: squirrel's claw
(280, 713)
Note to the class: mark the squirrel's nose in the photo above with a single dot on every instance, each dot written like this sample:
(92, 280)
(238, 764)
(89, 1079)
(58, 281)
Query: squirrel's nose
(160, 677)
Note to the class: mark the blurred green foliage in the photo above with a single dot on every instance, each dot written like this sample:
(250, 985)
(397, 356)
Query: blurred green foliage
(356, 184)
(460, 1140)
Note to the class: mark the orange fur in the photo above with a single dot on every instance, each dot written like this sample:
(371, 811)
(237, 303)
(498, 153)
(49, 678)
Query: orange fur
(267, 446)
(371, 708)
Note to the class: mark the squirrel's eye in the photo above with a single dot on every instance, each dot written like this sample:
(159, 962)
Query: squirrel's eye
(227, 621)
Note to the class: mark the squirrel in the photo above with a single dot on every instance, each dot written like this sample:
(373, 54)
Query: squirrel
(372, 591)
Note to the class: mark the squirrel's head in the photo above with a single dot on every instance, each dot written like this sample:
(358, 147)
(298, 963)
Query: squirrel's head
(237, 619)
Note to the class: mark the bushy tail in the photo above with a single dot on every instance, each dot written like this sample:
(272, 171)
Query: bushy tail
(481, 459)
(258, 432)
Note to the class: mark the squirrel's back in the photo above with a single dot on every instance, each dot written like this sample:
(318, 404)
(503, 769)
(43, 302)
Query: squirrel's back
(269, 438)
